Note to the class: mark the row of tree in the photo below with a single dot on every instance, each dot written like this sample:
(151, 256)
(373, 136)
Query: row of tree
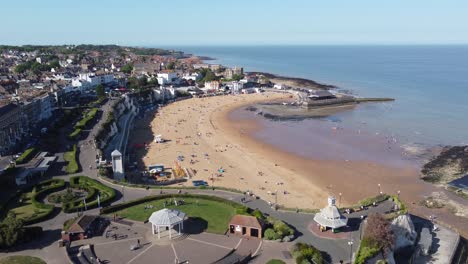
(36, 67)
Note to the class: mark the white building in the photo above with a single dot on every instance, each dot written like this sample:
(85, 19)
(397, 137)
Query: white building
(194, 76)
(167, 78)
(117, 165)
(90, 80)
(237, 87)
(213, 85)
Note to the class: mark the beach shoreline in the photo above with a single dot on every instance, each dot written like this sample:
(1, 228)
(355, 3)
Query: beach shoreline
(205, 128)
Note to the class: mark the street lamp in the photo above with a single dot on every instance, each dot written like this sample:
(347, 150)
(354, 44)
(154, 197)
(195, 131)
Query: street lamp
(339, 202)
(350, 243)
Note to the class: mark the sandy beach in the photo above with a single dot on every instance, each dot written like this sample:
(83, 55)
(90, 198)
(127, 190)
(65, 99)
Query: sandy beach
(201, 130)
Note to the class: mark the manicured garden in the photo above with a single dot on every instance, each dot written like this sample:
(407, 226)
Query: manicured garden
(93, 189)
(70, 157)
(215, 213)
(29, 206)
(21, 260)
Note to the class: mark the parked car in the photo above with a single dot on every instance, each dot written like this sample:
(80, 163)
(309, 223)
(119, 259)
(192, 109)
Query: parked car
(199, 183)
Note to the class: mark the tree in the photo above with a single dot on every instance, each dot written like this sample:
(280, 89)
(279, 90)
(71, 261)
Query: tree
(170, 65)
(100, 91)
(10, 230)
(153, 81)
(54, 64)
(127, 68)
(378, 230)
(207, 76)
(237, 77)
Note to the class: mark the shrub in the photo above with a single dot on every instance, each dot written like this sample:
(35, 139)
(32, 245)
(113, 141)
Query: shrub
(242, 210)
(282, 229)
(70, 157)
(305, 253)
(257, 213)
(26, 156)
(270, 234)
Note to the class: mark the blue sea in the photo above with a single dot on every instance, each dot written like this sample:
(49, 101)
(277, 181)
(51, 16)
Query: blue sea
(429, 83)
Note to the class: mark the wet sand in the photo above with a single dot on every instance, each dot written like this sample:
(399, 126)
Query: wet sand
(205, 126)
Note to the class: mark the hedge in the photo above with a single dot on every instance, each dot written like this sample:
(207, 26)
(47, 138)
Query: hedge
(162, 187)
(120, 206)
(377, 199)
(39, 192)
(107, 194)
(75, 134)
(87, 117)
(70, 157)
(26, 156)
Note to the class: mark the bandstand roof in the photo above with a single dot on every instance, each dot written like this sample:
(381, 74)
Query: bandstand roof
(166, 217)
(330, 216)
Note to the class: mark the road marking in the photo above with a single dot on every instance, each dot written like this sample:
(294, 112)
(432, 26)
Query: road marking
(258, 249)
(118, 241)
(141, 253)
(175, 252)
(238, 244)
(208, 243)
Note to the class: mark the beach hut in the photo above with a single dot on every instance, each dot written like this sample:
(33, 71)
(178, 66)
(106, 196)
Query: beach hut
(330, 216)
(168, 219)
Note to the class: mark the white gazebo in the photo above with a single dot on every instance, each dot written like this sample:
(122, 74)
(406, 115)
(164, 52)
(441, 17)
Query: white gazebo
(330, 216)
(166, 218)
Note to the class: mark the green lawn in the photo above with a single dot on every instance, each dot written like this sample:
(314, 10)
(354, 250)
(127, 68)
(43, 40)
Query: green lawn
(216, 214)
(70, 157)
(25, 209)
(21, 260)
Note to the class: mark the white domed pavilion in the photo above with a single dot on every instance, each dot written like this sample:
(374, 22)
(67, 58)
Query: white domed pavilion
(330, 216)
(166, 218)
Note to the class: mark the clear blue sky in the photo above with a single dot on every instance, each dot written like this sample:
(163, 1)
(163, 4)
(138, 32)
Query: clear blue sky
(220, 22)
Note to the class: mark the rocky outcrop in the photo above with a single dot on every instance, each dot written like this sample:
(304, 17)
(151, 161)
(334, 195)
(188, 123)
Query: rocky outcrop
(404, 232)
(450, 164)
